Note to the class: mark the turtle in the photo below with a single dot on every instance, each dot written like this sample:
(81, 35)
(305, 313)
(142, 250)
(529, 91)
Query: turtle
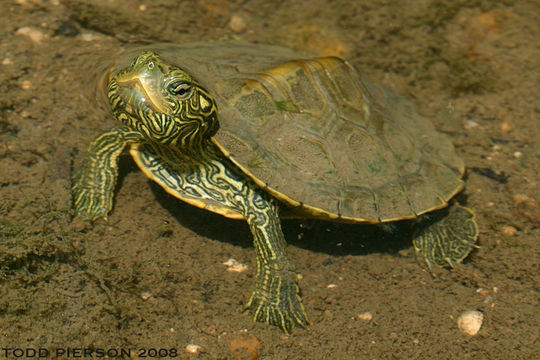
(260, 133)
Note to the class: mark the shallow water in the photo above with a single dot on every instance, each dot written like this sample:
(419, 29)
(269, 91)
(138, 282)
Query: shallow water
(152, 275)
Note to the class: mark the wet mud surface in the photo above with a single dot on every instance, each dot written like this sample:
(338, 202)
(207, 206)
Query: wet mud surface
(152, 276)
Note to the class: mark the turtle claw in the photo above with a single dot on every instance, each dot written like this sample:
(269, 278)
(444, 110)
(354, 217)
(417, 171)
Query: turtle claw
(282, 308)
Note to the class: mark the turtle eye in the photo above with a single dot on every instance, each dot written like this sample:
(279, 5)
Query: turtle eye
(181, 89)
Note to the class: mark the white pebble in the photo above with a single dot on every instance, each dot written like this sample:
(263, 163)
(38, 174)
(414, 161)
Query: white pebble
(470, 124)
(367, 316)
(235, 266)
(35, 35)
(193, 349)
(146, 295)
(87, 36)
(509, 230)
(470, 322)
(518, 154)
(237, 24)
(331, 286)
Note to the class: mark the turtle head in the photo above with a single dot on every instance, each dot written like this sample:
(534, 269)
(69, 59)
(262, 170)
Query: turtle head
(163, 102)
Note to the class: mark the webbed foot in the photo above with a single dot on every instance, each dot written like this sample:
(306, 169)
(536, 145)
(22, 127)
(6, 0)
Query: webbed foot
(90, 201)
(449, 240)
(276, 301)
(94, 181)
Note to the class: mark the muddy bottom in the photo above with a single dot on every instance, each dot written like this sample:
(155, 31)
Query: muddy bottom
(151, 280)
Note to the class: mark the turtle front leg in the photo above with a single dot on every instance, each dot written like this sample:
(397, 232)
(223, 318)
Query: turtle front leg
(209, 178)
(276, 299)
(94, 181)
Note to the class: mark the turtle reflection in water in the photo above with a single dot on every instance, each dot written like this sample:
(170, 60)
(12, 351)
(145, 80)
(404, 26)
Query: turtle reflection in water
(249, 131)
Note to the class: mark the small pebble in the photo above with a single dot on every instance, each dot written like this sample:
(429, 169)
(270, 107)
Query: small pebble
(522, 199)
(518, 154)
(193, 349)
(367, 316)
(146, 295)
(245, 347)
(7, 61)
(87, 36)
(470, 322)
(143, 7)
(26, 85)
(235, 266)
(506, 127)
(237, 24)
(25, 114)
(482, 291)
(331, 286)
(470, 124)
(35, 35)
(509, 230)
(24, 2)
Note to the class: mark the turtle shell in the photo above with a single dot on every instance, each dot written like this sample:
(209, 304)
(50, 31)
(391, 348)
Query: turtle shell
(318, 135)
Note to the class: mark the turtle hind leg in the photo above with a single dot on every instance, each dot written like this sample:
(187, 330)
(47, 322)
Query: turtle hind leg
(94, 181)
(447, 241)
